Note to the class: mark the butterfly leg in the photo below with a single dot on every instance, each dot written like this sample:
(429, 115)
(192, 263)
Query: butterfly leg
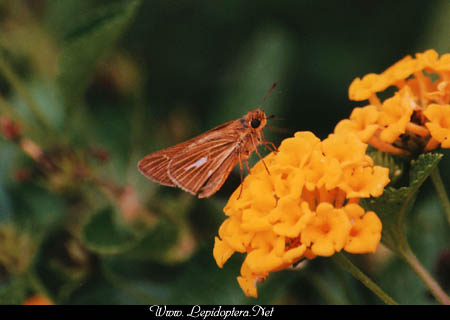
(272, 148)
(241, 167)
(246, 164)
(259, 155)
(266, 143)
(267, 169)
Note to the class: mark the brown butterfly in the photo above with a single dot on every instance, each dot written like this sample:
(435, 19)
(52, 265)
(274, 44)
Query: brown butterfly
(201, 165)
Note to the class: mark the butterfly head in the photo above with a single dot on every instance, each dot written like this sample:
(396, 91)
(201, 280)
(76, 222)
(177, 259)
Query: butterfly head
(256, 119)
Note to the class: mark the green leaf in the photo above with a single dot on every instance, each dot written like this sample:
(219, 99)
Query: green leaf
(59, 15)
(85, 43)
(13, 290)
(395, 164)
(99, 290)
(46, 96)
(57, 270)
(104, 235)
(156, 242)
(146, 282)
(198, 281)
(36, 209)
(5, 205)
(422, 168)
(393, 206)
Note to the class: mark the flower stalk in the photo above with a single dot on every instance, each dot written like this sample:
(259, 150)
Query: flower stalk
(346, 264)
(400, 246)
(441, 191)
(14, 80)
(425, 276)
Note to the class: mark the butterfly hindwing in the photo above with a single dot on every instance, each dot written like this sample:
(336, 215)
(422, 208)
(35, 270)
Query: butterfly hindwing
(192, 168)
(154, 166)
(217, 179)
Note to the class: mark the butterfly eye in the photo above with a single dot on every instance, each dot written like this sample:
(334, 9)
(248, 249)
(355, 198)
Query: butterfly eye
(255, 123)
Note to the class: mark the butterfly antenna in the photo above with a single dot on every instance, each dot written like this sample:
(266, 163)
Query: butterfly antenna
(274, 117)
(268, 94)
(277, 129)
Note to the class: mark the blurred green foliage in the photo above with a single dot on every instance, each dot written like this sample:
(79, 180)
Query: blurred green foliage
(99, 84)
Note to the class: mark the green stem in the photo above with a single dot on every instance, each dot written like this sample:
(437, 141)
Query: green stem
(323, 287)
(14, 80)
(345, 263)
(403, 250)
(442, 193)
(8, 110)
(425, 276)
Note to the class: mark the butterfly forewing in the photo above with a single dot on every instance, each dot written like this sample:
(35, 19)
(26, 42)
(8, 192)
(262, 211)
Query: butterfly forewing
(217, 179)
(191, 169)
(202, 164)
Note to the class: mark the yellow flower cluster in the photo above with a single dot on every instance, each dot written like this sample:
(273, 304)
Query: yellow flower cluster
(416, 118)
(305, 206)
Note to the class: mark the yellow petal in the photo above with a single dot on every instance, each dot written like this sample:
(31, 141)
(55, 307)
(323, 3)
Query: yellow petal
(365, 234)
(439, 125)
(261, 261)
(248, 285)
(362, 122)
(221, 252)
(328, 230)
(293, 255)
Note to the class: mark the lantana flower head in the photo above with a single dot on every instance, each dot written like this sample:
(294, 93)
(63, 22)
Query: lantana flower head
(416, 118)
(307, 206)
